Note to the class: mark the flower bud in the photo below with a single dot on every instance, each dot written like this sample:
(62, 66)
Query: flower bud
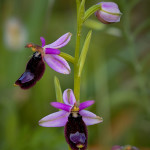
(108, 13)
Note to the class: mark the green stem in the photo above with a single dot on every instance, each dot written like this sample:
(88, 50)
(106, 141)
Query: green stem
(78, 5)
(77, 50)
(76, 59)
(90, 11)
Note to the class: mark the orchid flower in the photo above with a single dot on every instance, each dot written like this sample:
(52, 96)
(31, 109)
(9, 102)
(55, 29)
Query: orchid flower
(74, 118)
(50, 54)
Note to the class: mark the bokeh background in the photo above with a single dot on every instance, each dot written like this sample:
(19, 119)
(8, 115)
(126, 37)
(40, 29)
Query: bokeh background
(116, 74)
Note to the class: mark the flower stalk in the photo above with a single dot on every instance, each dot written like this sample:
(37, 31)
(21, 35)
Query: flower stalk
(91, 11)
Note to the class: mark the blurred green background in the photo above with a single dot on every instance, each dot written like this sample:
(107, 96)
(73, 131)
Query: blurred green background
(116, 74)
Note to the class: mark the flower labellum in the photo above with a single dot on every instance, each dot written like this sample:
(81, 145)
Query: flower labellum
(76, 132)
(34, 71)
(108, 13)
(74, 118)
(50, 54)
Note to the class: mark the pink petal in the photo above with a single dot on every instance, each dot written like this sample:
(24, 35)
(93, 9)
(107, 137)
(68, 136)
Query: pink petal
(86, 104)
(108, 17)
(57, 63)
(110, 7)
(61, 106)
(43, 41)
(109, 12)
(52, 51)
(68, 97)
(61, 42)
(57, 119)
(90, 118)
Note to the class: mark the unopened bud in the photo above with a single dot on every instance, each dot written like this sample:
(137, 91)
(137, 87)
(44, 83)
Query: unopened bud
(108, 13)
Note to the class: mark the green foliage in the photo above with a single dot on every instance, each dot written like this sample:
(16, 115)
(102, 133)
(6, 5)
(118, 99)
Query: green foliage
(58, 91)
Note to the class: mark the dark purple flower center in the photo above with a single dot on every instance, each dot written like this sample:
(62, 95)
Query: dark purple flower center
(76, 132)
(34, 71)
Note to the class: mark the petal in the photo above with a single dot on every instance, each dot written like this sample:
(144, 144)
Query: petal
(57, 119)
(43, 41)
(86, 104)
(61, 42)
(57, 63)
(68, 97)
(61, 106)
(52, 51)
(110, 7)
(105, 17)
(109, 13)
(90, 118)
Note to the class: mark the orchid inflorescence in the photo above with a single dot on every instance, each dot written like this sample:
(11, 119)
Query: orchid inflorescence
(71, 113)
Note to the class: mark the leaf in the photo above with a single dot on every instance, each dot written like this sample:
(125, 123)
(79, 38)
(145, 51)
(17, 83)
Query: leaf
(84, 52)
(58, 90)
(81, 12)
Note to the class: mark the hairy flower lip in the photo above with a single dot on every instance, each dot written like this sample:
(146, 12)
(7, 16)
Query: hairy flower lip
(34, 71)
(76, 133)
